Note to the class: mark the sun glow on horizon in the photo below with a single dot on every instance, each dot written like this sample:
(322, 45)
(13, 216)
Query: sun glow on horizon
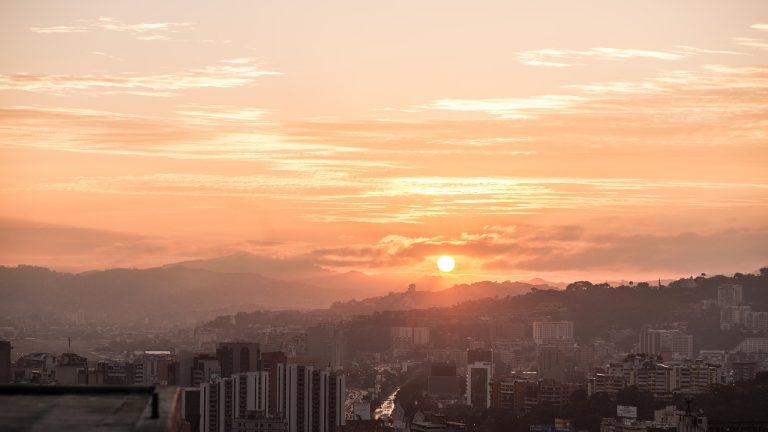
(152, 136)
(446, 264)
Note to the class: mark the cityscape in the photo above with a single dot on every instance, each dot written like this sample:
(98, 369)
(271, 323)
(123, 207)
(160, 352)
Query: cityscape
(401, 216)
(548, 359)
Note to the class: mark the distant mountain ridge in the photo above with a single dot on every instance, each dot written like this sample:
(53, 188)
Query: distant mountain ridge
(179, 291)
(427, 299)
(129, 294)
(243, 262)
(304, 270)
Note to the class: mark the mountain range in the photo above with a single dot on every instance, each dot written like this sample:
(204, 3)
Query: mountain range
(240, 282)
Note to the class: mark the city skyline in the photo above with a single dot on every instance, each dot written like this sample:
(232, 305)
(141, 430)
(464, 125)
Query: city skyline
(597, 140)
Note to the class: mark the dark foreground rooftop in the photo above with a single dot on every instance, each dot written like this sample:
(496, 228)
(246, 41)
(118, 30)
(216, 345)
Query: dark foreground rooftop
(88, 408)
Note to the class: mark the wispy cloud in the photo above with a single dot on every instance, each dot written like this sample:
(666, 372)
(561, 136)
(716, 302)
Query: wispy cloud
(221, 75)
(508, 108)
(344, 194)
(688, 95)
(571, 248)
(105, 55)
(215, 114)
(142, 31)
(199, 132)
(757, 41)
(752, 42)
(418, 171)
(70, 247)
(568, 58)
(185, 184)
(672, 252)
(416, 199)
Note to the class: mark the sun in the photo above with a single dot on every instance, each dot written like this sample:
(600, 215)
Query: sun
(446, 263)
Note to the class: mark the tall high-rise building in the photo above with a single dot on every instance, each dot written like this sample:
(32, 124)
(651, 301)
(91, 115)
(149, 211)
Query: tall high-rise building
(744, 370)
(38, 368)
(298, 396)
(757, 321)
(209, 407)
(238, 357)
(649, 375)
(254, 422)
(479, 375)
(443, 383)
(114, 372)
(226, 403)
(401, 339)
(71, 369)
(190, 407)
(552, 332)
(273, 362)
(314, 399)
(328, 401)
(251, 393)
(752, 345)
(730, 295)
(281, 397)
(154, 368)
(503, 393)
(185, 358)
(328, 344)
(404, 339)
(205, 367)
(550, 361)
(479, 356)
(694, 377)
(735, 316)
(217, 405)
(421, 336)
(682, 346)
(5, 362)
(669, 344)
(272, 358)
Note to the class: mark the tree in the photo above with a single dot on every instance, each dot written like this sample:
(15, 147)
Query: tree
(644, 401)
(578, 286)
(761, 378)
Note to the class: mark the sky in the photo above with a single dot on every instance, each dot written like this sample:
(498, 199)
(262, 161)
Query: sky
(559, 139)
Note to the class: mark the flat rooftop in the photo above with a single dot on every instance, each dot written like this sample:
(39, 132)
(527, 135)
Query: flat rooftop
(87, 408)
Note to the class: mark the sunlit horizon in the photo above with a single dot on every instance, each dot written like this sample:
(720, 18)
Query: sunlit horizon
(563, 141)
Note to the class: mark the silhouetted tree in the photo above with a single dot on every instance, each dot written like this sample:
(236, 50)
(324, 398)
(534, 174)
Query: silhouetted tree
(644, 401)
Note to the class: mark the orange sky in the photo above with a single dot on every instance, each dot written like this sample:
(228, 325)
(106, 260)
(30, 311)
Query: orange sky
(560, 139)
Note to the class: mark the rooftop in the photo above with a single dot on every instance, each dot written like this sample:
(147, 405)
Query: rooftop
(87, 408)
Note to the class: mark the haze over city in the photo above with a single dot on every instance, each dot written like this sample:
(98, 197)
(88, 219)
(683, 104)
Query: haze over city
(562, 140)
(400, 216)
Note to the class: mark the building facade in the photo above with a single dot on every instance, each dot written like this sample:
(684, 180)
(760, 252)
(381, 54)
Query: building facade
(238, 357)
(730, 295)
(479, 375)
(669, 344)
(5, 362)
(552, 332)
